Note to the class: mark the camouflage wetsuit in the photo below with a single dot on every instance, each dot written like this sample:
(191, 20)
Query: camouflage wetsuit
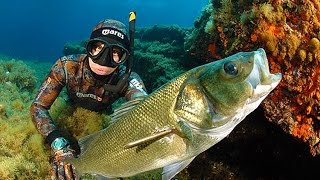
(84, 88)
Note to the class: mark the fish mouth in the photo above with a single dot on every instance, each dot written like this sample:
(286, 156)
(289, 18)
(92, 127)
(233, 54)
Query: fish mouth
(261, 80)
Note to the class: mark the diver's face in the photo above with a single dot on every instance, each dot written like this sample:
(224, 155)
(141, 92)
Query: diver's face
(103, 70)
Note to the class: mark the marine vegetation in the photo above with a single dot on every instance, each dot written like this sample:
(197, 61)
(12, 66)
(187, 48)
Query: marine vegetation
(10, 72)
(289, 31)
(22, 154)
(178, 121)
(22, 151)
(78, 121)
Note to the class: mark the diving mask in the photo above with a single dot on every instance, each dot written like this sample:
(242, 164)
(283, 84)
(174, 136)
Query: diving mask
(106, 54)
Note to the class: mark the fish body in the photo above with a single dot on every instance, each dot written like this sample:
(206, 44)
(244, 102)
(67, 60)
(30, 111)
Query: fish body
(181, 119)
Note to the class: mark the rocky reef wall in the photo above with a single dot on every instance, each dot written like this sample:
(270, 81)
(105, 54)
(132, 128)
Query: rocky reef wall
(289, 31)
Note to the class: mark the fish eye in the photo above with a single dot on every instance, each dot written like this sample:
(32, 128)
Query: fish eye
(231, 68)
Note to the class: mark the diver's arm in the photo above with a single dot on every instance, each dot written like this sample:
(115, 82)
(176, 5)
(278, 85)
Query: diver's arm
(135, 88)
(47, 93)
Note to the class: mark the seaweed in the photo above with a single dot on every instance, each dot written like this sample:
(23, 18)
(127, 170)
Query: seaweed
(16, 72)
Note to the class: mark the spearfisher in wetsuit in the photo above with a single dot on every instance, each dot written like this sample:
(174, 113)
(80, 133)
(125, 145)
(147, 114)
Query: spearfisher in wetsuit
(93, 80)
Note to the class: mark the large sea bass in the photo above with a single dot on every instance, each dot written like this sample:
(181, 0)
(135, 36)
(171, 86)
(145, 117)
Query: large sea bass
(180, 120)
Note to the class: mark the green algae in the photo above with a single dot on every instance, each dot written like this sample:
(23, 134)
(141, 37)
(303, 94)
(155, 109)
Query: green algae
(22, 153)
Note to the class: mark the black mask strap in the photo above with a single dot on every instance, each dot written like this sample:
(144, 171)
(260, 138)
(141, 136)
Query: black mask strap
(111, 33)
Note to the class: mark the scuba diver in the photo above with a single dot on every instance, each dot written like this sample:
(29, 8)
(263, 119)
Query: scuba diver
(93, 81)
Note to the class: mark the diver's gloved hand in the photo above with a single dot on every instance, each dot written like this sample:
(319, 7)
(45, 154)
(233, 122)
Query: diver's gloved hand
(62, 150)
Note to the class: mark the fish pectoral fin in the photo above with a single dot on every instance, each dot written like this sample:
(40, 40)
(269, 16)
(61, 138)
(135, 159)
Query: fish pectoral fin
(150, 139)
(170, 171)
(186, 131)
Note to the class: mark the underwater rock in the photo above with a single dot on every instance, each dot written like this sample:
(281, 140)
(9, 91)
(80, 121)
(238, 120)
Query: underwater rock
(74, 48)
(156, 69)
(163, 34)
(160, 55)
(289, 32)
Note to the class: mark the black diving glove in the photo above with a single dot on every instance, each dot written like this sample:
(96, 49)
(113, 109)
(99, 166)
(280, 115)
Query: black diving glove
(62, 149)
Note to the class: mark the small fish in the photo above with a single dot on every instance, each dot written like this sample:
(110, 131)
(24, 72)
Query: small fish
(181, 119)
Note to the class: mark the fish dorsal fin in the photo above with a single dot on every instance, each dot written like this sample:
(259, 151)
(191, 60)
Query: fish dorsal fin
(126, 107)
(151, 138)
(170, 171)
(85, 142)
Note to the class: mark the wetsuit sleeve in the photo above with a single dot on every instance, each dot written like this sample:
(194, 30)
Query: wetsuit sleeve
(135, 88)
(47, 93)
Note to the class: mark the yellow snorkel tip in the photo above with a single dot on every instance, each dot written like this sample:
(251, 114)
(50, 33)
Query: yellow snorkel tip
(132, 16)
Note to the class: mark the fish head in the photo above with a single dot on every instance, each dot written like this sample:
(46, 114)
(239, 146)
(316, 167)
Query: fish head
(219, 95)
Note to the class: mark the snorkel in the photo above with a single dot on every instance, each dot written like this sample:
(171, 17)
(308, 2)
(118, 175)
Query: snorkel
(124, 78)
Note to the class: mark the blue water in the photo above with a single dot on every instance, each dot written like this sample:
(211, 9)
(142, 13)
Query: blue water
(38, 29)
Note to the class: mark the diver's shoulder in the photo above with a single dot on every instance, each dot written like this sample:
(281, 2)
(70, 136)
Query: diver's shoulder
(76, 58)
